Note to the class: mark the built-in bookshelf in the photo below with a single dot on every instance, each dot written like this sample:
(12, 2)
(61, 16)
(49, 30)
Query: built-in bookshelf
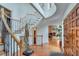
(71, 32)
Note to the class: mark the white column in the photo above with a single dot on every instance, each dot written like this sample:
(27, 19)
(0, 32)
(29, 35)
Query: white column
(62, 34)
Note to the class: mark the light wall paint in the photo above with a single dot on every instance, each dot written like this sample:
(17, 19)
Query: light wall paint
(44, 32)
(42, 29)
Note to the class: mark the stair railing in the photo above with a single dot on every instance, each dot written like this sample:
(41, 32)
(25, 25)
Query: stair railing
(18, 41)
(8, 29)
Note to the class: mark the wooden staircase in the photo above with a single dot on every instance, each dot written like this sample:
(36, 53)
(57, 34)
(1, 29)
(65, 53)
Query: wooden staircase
(2, 53)
(13, 35)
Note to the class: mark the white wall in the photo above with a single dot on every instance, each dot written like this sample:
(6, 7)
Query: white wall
(18, 10)
(43, 30)
(13, 7)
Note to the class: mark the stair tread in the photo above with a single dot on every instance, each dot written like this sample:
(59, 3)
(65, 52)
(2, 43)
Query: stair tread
(2, 53)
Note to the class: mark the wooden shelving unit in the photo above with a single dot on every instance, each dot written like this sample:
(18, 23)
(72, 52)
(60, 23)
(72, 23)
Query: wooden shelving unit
(71, 33)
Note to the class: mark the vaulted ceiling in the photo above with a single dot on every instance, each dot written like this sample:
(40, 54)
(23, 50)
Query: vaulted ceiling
(56, 18)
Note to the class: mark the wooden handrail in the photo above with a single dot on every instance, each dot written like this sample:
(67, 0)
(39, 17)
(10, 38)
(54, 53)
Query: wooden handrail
(8, 29)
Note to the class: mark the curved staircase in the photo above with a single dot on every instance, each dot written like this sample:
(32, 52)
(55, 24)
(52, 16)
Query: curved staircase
(2, 53)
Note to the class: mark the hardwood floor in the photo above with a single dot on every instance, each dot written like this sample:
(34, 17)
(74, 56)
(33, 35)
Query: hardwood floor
(44, 50)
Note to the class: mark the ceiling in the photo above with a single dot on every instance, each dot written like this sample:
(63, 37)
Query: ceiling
(57, 17)
(45, 9)
(24, 9)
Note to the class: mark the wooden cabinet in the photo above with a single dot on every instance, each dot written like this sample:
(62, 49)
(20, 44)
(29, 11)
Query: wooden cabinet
(71, 33)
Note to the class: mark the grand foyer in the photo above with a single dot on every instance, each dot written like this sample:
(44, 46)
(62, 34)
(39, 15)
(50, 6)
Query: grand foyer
(47, 33)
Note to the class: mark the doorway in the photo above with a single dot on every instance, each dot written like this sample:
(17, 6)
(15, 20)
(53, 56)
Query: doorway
(34, 37)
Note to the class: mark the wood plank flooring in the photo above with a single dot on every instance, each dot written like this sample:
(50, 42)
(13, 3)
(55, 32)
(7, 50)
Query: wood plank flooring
(44, 50)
